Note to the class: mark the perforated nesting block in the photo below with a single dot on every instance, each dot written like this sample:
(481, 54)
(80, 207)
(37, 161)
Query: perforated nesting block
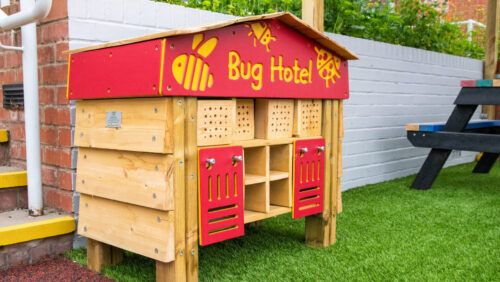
(243, 125)
(215, 122)
(273, 118)
(307, 117)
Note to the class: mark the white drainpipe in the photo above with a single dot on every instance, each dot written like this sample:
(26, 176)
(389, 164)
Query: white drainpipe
(26, 18)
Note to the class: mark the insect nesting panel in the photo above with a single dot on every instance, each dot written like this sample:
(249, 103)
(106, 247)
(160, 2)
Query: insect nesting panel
(273, 118)
(243, 126)
(307, 118)
(215, 122)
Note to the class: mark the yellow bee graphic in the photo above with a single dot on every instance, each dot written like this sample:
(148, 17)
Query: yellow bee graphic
(193, 75)
(327, 65)
(261, 32)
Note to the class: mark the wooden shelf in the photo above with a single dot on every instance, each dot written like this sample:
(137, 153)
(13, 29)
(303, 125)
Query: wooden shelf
(254, 179)
(251, 216)
(277, 175)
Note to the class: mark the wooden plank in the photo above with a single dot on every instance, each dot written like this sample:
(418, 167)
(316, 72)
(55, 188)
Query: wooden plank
(191, 153)
(100, 255)
(179, 115)
(144, 231)
(243, 116)
(318, 226)
(257, 197)
(307, 117)
(164, 271)
(215, 122)
(412, 127)
(496, 83)
(274, 118)
(146, 125)
(287, 18)
(334, 182)
(491, 47)
(484, 83)
(252, 216)
(313, 13)
(143, 179)
(468, 83)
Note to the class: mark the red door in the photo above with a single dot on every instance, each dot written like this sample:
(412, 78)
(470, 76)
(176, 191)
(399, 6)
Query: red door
(220, 194)
(308, 177)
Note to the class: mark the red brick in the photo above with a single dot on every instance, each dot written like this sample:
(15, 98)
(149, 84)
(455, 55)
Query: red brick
(59, 199)
(46, 95)
(13, 59)
(55, 31)
(4, 114)
(45, 54)
(65, 181)
(64, 137)
(59, 10)
(2, 61)
(55, 74)
(18, 151)
(8, 76)
(8, 199)
(48, 136)
(61, 96)
(22, 199)
(57, 116)
(57, 156)
(17, 132)
(49, 176)
(60, 55)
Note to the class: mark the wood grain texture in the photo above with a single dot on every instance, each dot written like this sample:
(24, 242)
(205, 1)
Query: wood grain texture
(307, 117)
(287, 18)
(191, 154)
(143, 179)
(491, 47)
(317, 227)
(274, 118)
(215, 122)
(144, 231)
(243, 116)
(313, 13)
(146, 125)
(334, 180)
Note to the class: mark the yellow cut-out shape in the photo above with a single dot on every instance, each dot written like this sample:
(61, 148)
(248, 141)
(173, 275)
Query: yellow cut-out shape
(190, 70)
(327, 65)
(261, 32)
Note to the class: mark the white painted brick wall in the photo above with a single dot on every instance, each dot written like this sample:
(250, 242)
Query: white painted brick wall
(390, 85)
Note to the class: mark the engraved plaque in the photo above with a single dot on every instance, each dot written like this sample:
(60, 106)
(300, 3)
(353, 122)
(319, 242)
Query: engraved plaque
(114, 119)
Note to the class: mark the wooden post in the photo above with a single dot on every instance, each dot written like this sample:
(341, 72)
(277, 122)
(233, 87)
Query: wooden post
(100, 255)
(176, 270)
(320, 230)
(491, 51)
(191, 156)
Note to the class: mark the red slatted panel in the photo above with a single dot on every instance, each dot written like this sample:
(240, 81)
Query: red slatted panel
(308, 177)
(123, 71)
(220, 195)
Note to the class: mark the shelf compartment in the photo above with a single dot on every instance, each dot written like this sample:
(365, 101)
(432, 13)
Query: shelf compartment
(254, 179)
(251, 216)
(280, 193)
(257, 197)
(277, 175)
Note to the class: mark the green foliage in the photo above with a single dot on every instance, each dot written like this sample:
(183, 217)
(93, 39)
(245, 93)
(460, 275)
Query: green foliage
(412, 23)
(386, 232)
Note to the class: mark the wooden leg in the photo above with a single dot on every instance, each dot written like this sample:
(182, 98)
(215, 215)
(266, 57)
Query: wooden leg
(317, 231)
(100, 255)
(165, 271)
(486, 163)
(430, 169)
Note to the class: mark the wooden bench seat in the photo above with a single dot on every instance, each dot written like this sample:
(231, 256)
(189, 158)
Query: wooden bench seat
(438, 126)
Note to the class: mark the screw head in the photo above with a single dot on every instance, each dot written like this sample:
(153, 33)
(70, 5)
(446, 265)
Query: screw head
(85, 228)
(156, 250)
(157, 167)
(156, 110)
(83, 181)
(86, 205)
(181, 253)
(181, 163)
(154, 195)
(158, 219)
(154, 138)
(191, 176)
(81, 134)
(193, 252)
(179, 102)
(84, 157)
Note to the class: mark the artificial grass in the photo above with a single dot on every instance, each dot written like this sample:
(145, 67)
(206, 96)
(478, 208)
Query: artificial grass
(386, 232)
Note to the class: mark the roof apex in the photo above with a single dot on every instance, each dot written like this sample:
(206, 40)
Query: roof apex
(286, 17)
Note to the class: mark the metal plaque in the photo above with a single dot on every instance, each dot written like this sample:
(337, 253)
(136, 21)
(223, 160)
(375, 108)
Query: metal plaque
(114, 119)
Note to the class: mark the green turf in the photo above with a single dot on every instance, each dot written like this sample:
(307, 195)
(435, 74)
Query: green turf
(386, 232)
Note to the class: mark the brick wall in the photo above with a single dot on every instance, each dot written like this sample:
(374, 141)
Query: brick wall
(55, 129)
(462, 10)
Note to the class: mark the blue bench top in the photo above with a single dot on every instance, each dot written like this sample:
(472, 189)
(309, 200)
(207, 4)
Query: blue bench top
(438, 126)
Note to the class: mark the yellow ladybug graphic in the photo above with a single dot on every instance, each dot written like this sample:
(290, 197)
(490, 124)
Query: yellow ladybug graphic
(327, 65)
(192, 71)
(262, 32)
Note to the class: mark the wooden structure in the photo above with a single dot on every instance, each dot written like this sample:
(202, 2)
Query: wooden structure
(491, 47)
(459, 133)
(168, 166)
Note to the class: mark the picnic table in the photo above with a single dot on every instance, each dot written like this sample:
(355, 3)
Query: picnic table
(459, 132)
